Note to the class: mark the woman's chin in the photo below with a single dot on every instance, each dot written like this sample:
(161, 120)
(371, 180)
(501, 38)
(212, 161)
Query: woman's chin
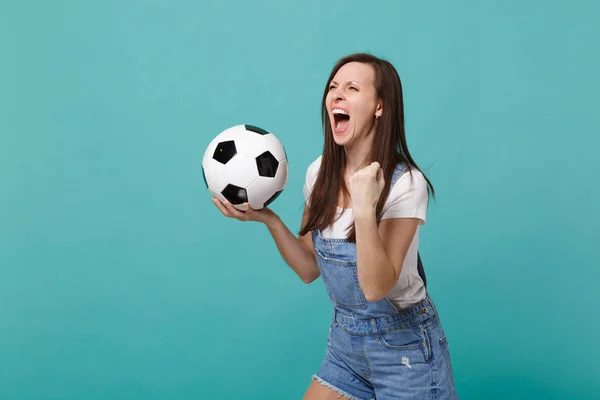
(342, 138)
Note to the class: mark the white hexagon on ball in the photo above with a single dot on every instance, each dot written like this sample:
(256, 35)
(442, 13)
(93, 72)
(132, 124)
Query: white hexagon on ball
(245, 163)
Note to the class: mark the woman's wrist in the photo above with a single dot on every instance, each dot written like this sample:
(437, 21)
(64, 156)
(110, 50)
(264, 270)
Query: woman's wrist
(366, 214)
(270, 218)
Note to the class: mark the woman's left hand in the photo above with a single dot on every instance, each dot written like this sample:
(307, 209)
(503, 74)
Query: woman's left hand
(365, 187)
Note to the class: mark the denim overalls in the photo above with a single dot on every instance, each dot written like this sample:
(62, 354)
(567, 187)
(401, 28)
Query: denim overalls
(374, 350)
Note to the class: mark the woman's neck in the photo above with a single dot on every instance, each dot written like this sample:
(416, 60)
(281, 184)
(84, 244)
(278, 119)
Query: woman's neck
(356, 155)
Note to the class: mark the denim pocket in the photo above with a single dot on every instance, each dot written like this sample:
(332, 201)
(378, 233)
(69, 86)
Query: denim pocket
(412, 342)
(341, 281)
(404, 339)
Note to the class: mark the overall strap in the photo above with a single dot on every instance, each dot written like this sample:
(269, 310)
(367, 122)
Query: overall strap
(398, 172)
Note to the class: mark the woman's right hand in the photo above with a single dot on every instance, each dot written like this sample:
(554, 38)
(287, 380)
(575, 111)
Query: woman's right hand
(227, 209)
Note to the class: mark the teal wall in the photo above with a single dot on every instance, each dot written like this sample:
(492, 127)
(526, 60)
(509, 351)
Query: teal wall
(119, 279)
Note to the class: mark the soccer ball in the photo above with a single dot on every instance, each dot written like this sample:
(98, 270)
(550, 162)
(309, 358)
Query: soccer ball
(245, 164)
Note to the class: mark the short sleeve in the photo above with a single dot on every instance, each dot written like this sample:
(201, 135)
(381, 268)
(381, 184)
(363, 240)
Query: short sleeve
(311, 177)
(408, 198)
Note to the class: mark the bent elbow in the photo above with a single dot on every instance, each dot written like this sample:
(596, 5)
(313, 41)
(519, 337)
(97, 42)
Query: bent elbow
(373, 296)
(309, 278)
(378, 290)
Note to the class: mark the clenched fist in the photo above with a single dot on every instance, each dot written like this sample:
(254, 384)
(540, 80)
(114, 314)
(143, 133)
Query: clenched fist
(365, 187)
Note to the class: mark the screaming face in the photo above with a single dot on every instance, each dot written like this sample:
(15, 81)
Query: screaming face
(352, 103)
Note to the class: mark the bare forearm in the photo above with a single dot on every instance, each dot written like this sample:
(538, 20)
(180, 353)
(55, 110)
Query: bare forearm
(293, 250)
(376, 273)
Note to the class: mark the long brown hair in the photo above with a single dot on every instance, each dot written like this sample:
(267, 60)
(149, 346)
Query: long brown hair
(389, 147)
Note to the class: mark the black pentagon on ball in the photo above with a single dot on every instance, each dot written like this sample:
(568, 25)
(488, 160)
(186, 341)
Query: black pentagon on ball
(235, 194)
(256, 129)
(272, 198)
(225, 151)
(267, 164)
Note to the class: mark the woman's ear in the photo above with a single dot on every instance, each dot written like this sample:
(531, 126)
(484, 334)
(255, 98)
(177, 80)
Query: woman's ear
(378, 110)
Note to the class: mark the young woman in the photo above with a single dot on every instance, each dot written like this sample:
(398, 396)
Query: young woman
(365, 200)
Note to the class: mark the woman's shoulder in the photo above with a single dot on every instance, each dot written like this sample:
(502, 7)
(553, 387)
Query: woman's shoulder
(408, 196)
(313, 169)
(316, 163)
(408, 179)
(311, 176)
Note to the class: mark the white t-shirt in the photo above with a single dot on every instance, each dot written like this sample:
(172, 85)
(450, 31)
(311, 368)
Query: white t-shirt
(408, 198)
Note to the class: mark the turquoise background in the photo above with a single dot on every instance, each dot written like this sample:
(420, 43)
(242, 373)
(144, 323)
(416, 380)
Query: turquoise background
(119, 279)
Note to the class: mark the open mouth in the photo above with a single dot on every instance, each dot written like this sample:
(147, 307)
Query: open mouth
(341, 119)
